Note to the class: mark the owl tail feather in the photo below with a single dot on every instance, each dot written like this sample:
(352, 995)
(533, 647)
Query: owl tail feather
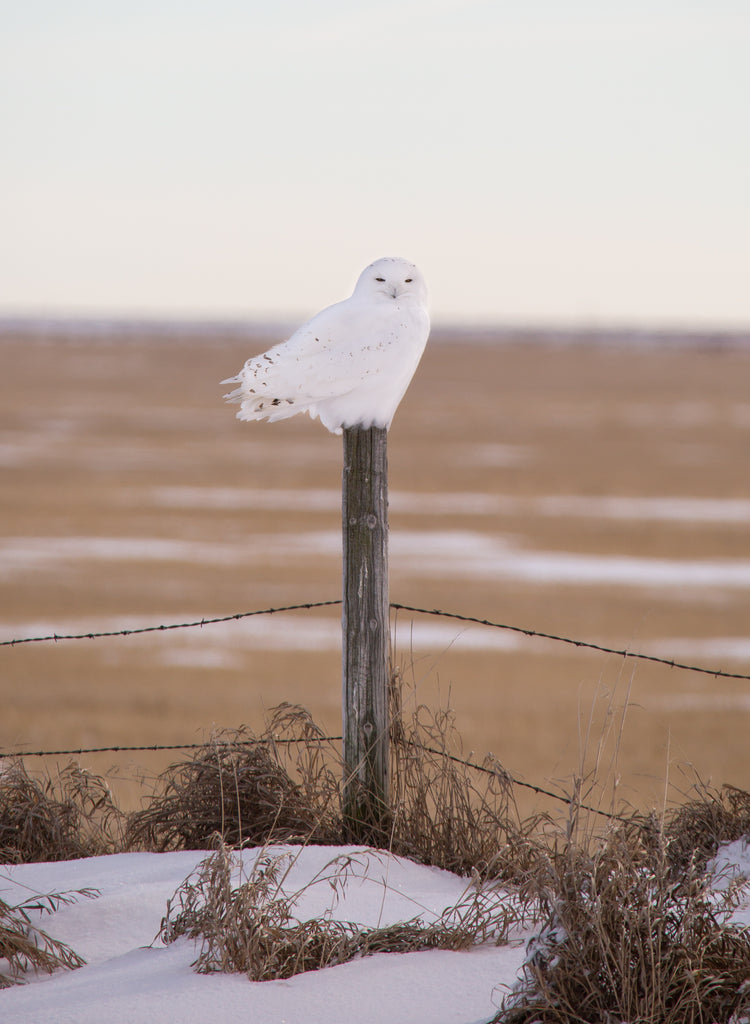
(259, 407)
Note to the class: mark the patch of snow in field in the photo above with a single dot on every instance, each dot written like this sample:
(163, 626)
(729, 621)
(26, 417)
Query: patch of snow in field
(447, 554)
(224, 644)
(732, 648)
(678, 509)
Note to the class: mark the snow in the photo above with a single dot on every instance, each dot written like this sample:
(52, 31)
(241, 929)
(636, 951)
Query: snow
(732, 864)
(131, 976)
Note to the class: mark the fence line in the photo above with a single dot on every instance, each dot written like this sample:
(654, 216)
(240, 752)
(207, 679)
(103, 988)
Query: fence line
(624, 653)
(501, 772)
(584, 644)
(498, 772)
(164, 627)
(169, 746)
(57, 637)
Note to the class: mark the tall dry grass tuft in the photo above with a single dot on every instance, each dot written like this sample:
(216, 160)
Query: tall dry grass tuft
(694, 830)
(235, 786)
(312, 761)
(628, 938)
(248, 925)
(62, 817)
(284, 785)
(444, 812)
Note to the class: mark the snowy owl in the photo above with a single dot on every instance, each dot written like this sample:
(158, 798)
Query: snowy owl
(351, 364)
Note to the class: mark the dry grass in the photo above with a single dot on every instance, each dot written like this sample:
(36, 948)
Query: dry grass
(627, 939)
(60, 817)
(24, 947)
(630, 927)
(249, 926)
(444, 812)
(694, 830)
(440, 815)
(262, 788)
(239, 787)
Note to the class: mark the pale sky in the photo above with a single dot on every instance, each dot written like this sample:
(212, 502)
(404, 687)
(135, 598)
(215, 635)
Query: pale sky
(581, 162)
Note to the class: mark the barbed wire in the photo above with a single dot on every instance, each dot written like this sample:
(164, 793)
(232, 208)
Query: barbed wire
(498, 772)
(308, 605)
(57, 637)
(395, 606)
(168, 746)
(622, 653)
(504, 774)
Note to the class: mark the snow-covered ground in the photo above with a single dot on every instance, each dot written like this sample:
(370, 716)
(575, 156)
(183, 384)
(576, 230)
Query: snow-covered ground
(131, 977)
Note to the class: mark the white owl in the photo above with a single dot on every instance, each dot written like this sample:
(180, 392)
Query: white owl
(351, 364)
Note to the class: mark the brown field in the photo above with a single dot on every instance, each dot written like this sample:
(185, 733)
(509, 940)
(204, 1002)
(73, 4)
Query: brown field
(132, 496)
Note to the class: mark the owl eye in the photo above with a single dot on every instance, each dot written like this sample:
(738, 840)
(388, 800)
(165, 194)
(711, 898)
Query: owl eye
(408, 280)
(380, 279)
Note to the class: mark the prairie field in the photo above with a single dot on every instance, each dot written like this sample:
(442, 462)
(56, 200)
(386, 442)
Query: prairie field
(598, 493)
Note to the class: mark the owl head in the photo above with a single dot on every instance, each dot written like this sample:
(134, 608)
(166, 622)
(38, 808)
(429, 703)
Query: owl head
(392, 278)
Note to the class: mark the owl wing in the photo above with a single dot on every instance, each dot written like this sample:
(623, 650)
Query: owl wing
(327, 357)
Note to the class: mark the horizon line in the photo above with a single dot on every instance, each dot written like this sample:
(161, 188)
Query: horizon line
(98, 323)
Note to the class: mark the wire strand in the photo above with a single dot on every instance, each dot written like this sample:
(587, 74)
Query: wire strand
(500, 772)
(395, 606)
(167, 746)
(57, 637)
(624, 653)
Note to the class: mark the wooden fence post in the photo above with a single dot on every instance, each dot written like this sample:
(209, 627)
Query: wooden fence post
(366, 631)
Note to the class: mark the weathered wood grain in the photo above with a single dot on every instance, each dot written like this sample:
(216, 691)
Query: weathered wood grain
(366, 638)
